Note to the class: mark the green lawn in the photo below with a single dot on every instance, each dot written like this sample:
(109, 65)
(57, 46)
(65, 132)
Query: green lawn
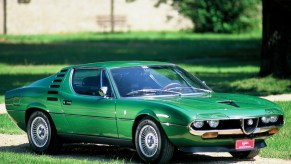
(278, 146)
(227, 62)
(20, 158)
(7, 126)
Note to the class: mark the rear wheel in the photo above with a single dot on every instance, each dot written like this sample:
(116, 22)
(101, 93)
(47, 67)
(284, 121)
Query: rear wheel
(245, 154)
(151, 143)
(42, 134)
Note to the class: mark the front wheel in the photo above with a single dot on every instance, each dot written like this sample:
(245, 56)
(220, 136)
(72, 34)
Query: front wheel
(151, 143)
(245, 154)
(42, 134)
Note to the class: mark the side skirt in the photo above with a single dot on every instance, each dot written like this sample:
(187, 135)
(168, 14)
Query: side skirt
(79, 138)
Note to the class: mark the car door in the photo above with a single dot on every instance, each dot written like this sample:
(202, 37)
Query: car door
(87, 110)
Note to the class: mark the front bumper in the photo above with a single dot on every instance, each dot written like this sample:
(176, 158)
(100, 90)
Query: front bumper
(258, 130)
(188, 141)
(258, 145)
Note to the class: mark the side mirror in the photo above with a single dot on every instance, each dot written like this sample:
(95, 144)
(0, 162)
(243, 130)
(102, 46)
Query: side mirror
(103, 91)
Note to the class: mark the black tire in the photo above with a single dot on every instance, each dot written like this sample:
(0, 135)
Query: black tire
(42, 134)
(151, 143)
(245, 154)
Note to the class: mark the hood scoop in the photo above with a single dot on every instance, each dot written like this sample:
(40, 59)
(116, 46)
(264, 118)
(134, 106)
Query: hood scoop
(228, 102)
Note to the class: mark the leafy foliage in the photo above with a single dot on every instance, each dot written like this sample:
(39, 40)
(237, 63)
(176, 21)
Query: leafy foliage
(224, 16)
(219, 16)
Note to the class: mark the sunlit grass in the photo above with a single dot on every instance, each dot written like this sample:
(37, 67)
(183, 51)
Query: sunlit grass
(226, 62)
(220, 69)
(278, 146)
(264, 86)
(7, 126)
(125, 36)
(29, 69)
(20, 158)
(226, 77)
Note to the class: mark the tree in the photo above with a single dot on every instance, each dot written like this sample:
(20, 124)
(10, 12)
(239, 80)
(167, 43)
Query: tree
(276, 42)
(219, 16)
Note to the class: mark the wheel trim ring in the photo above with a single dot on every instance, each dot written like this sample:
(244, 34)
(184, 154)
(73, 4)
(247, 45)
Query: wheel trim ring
(148, 134)
(39, 132)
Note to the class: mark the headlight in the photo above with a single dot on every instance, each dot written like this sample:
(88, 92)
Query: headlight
(198, 124)
(273, 118)
(265, 119)
(213, 123)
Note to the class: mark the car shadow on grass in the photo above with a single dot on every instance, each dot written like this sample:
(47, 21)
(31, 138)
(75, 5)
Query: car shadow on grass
(106, 153)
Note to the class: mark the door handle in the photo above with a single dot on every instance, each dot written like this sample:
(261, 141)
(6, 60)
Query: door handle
(67, 102)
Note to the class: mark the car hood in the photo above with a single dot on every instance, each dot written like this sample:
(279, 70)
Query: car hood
(219, 105)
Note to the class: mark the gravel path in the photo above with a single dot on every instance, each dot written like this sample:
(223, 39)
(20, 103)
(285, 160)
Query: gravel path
(2, 108)
(93, 152)
(282, 97)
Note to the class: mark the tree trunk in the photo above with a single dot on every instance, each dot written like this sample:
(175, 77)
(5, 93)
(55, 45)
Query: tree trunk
(4, 17)
(275, 54)
(112, 15)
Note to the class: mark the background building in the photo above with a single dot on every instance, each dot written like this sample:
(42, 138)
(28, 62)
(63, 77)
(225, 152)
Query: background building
(63, 16)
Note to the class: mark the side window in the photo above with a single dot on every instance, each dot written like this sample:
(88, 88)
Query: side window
(87, 81)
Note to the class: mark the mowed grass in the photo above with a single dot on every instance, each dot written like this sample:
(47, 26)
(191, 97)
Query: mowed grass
(11, 157)
(230, 77)
(146, 36)
(278, 146)
(7, 126)
(227, 62)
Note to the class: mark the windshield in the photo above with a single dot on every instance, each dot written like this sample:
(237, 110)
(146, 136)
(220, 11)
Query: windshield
(156, 81)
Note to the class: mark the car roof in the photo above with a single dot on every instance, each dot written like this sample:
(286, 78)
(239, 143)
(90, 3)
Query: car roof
(117, 64)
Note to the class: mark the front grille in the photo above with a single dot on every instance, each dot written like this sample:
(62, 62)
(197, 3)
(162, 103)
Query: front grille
(240, 124)
(223, 124)
(249, 125)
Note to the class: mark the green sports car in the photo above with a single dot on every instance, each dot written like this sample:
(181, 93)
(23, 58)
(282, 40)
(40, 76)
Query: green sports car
(155, 107)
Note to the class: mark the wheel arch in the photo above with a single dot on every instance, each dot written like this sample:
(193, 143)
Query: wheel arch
(31, 110)
(140, 116)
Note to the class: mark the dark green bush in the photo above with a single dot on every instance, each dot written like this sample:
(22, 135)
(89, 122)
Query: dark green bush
(221, 16)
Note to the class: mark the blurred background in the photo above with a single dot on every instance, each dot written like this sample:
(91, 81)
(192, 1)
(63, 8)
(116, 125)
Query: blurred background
(237, 46)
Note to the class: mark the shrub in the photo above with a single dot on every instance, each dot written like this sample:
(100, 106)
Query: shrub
(221, 16)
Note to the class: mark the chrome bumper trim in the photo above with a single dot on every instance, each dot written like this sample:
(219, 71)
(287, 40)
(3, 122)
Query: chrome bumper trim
(232, 131)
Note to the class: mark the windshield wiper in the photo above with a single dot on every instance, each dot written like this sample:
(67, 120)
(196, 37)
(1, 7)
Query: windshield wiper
(144, 91)
(187, 88)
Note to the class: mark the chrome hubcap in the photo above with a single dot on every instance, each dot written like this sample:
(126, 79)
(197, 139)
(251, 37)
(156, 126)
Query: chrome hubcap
(39, 132)
(148, 141)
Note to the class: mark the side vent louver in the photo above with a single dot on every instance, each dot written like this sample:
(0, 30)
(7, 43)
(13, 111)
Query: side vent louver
(57, 80)
(60, 75)
(52, 99)
(53, 92)
(55, 86)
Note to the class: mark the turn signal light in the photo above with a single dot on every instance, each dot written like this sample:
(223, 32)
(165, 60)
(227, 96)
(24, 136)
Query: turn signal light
(210, 135)
(273, 131)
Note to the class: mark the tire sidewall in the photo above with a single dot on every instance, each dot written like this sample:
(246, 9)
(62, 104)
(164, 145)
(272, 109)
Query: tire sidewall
(32, 145)
(144, 122)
